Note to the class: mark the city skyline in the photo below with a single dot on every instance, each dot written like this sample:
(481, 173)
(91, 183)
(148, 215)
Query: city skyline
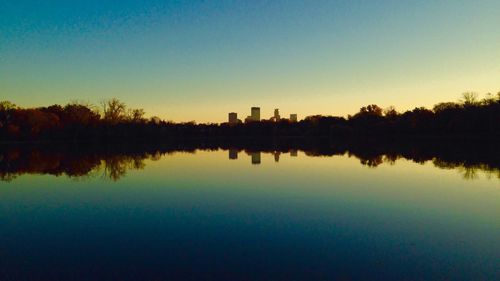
(191, 60)
(255, 116)
(249, 140)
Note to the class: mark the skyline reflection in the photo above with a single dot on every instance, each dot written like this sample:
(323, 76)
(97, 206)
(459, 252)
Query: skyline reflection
(114, 162)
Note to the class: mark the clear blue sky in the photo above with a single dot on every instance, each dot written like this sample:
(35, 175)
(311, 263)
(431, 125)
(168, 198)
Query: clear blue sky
(198, 60)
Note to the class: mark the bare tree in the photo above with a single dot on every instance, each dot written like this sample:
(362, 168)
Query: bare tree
(114, 110)
(469, 98)
(136, 115)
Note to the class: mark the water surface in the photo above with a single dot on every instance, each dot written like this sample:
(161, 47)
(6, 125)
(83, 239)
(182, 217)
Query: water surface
(236, 215)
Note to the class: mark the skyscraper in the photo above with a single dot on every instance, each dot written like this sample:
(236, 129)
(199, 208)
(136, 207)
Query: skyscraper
(233, 118)
(255, 114)
(277, 115)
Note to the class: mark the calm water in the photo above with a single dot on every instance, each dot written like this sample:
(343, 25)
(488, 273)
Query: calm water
(223, 215)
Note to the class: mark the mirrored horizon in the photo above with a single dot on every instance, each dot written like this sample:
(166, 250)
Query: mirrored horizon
(233, 214)
(115, 162)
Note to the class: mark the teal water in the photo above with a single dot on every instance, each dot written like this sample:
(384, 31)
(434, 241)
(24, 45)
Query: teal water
(204, 216)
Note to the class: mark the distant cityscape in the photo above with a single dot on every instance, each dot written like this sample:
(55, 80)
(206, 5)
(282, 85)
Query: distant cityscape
(255, 117)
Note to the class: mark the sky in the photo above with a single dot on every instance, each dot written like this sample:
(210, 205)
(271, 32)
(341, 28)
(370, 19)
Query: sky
(198, 60)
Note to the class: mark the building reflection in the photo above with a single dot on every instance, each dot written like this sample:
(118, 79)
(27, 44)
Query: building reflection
(277, 156)
(114, 162)
(255, 157)
(233, 154)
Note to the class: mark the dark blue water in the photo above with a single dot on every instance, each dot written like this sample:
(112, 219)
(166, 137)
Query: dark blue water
(205, 217)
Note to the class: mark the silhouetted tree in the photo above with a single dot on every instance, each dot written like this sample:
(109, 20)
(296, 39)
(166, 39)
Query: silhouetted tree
(7, 105)
(114, 111)
(82, 121)
(80, 114)
(390, 112)
(137, 115)
(469, 98)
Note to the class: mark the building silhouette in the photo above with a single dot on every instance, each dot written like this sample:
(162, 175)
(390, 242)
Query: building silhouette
(255, 114)
(277, 117)
(233, 118)
(293, 153)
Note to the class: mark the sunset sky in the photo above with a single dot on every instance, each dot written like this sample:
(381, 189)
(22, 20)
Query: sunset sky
(198, 60)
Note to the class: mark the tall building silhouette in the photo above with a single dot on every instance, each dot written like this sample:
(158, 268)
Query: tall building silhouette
(255, 114)
(277, 115)
(233, 118)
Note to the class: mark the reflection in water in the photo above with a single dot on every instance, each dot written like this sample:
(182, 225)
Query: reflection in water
(277, 156)
(319, 216)
(18, 162)
(114, 161)
(233, 154)
(115, 167)
(255, 157)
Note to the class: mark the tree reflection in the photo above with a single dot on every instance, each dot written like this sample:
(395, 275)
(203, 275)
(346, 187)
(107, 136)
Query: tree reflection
(372, 162)
(113, 162)
(17, 161)
(116, 166)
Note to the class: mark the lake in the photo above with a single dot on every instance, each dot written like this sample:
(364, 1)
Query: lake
(236, 214)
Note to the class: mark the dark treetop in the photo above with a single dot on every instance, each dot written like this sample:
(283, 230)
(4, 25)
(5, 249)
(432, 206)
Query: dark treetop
(113, 121)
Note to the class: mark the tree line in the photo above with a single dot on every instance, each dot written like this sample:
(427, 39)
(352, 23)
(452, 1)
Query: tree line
(113, 120)
(113, 160)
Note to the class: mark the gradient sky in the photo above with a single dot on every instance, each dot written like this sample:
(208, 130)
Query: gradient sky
(198, 60)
